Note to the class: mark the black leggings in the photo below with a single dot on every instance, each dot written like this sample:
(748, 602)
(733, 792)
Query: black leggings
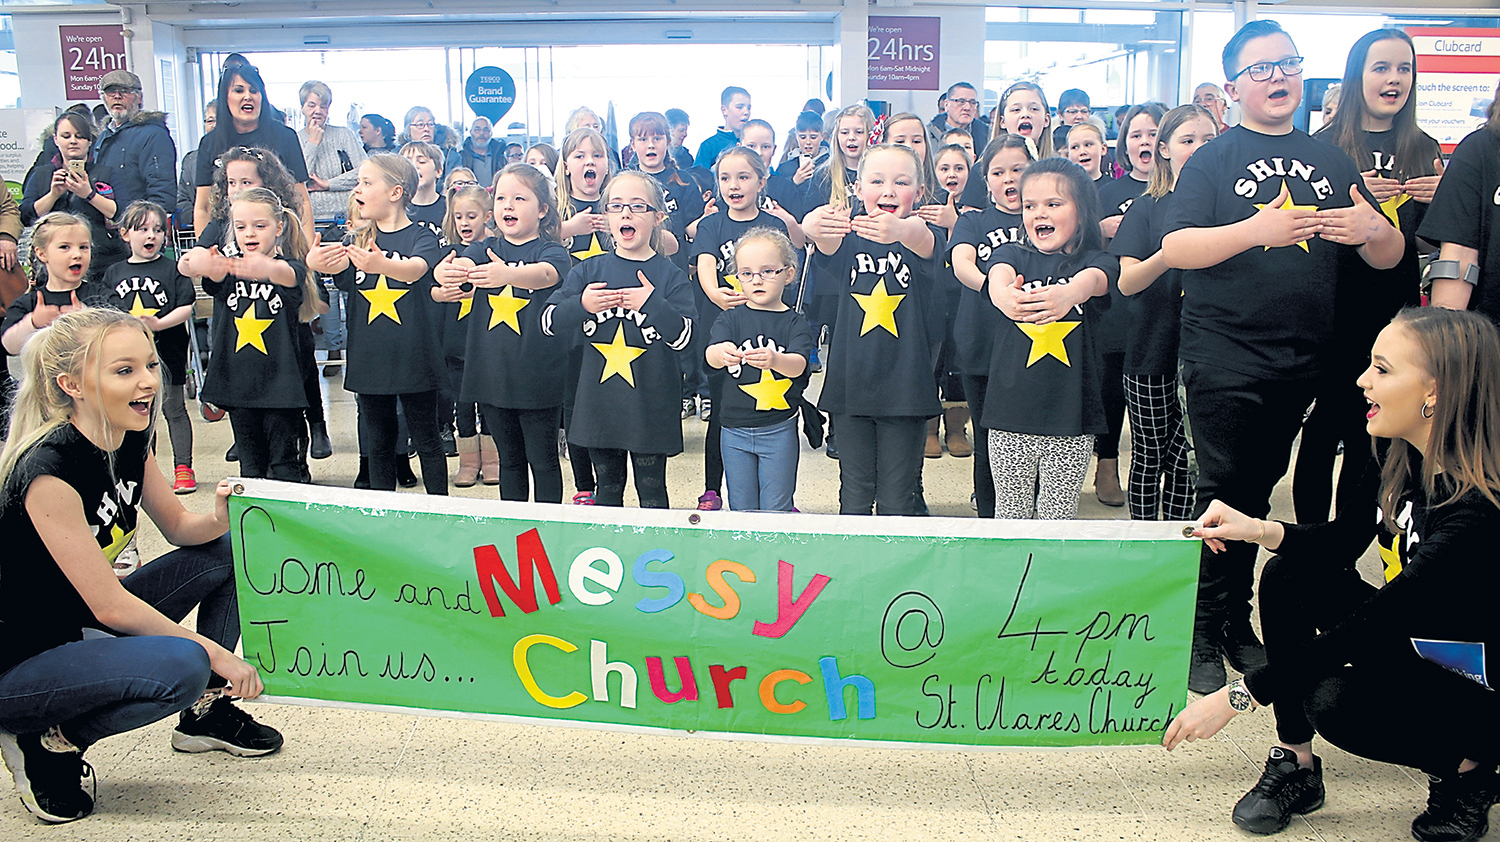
(1353, 706)
(578, 455)
(984, 481)
(880, 463)
(1112, 369)
(378, 415)
(268, 441)
(466, 416)
(1338, 416)
(526, 439)
(179, 425)
(650, 477)
(713, 454)
(307, 364)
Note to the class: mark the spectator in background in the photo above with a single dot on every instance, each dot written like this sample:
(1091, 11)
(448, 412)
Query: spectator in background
(133, 153)
(418, 125)
(480, 152)
(1331, 102)
(1208, 95)
(333, 154)
(961, 111)
(734, 104)
(185, 192)
(1072, 109)
(678, 123)
(377, 134)
(515, 153)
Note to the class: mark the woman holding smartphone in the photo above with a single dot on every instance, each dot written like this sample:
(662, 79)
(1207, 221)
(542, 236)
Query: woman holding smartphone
(64, 184)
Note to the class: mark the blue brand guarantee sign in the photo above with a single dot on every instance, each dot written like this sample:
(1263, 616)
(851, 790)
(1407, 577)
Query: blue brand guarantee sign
(490, 92)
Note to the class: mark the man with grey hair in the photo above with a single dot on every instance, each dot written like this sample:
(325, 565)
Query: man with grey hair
(1209, 96)
(479, 152)
(134, 153)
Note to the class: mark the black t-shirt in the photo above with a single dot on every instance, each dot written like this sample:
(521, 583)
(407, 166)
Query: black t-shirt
(1153, 316)
(1045, 380)
(630, 385)
(786, 193)
(754, 397)
(817, 190)
(1115, 197)
(589, 243)
(509, 360)
(279, 139)
(1265, 312)
(154, 288)
(1466, 211)
(684, 204)
(92, 293)
(393, 344)
(454, 323)
(254, 361)
(880, 355)
(39, 608)
(977, 320)
(717, 235)
(430, 216)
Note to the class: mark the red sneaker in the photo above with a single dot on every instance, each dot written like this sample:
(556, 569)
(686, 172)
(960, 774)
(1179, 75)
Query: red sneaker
(186, 482)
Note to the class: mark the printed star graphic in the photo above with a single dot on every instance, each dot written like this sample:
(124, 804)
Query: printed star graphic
(503, 309)
(1047, 340)
(465, 305)
(618, 357)
(139, 309)
(592, 251)
(1390, 557)
(1290, 205)
(1393, 204)
(383, 301)
(119, 539)
(880, 309)
(734, 283)
(770, 392)
(249, 330)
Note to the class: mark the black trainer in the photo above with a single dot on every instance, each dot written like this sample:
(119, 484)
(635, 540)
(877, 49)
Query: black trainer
(224, 727)
(1283, 791)
(1458, 807)
(50, 783)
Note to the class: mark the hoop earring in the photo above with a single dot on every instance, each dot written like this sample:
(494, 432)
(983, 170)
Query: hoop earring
(1427, 410)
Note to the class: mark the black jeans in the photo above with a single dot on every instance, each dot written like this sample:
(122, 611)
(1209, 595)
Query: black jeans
(526, 439)
(984, 482)
(268, 442)
(1384, 711)
(880, 463)
(307, 363)
(650, 477)
(1339, 416)
(713, 455)
(1112, 368)
(378, 414)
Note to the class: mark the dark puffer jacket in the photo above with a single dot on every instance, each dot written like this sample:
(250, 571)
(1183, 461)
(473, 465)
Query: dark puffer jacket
(139, 160)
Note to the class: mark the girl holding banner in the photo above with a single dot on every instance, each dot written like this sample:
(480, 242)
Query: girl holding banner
(1360, 664)
(76, 470)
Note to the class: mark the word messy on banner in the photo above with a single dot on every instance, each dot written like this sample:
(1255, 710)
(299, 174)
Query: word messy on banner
(935, 631)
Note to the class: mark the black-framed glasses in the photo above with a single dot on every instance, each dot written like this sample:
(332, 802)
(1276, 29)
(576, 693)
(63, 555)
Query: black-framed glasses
(635, 207)
(117, 90)
(958, 101)
(769, 274)
(1261, 71)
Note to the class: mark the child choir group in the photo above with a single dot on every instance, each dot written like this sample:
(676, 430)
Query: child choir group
(571, 294)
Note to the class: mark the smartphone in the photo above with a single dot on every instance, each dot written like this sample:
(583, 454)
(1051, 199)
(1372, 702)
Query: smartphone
(79, 168)
(806, 159)
(56, 299)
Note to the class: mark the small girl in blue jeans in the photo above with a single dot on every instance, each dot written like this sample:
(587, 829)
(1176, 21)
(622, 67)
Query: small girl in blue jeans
(763, 347)
(74, 474)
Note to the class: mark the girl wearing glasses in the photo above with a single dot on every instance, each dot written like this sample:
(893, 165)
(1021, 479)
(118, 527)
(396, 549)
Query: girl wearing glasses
(762, 348)
(631, 311)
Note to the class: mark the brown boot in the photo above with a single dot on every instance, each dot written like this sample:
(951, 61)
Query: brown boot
(489, 461)
(934, 444)
(468, 462)
(1107, 483)
(954, 419)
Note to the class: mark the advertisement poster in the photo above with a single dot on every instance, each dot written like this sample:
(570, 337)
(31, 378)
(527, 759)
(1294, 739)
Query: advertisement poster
(1458, 70)
(88, 53)
(903, 53)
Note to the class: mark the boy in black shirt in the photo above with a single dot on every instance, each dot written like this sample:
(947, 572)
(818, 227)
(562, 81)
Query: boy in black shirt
(1264, 220)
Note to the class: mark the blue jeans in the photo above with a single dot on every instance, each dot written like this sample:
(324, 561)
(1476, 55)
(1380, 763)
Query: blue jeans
(760, 466)
(99, 687)
(333, 320)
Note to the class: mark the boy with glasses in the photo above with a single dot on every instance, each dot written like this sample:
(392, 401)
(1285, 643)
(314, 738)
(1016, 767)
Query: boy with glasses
(1267, 222)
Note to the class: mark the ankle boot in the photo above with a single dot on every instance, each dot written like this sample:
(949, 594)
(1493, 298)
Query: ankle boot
(934, 444)
(321, 447)
(468, 461)
(954, 419)
(1239, 644)
(404, 476)
(1107, 483)
(489, 461)
(331, 368)
(362, 479)
(1206, 666)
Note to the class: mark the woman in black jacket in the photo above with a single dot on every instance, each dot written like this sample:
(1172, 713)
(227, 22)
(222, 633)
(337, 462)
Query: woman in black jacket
(66, 184)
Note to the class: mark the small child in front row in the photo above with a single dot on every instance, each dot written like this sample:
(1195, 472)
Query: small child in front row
(1053, 290)
(513, 369)
(60, 256)
(148, 286)
(633, 310)
(466, 224)
(254, 371)
(755, 343)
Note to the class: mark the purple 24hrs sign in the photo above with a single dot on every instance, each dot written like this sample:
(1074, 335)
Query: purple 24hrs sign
(903, 53)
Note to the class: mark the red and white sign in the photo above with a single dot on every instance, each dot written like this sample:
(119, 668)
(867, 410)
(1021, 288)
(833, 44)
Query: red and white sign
(89, 52)
(903, 53)
(1457, 73)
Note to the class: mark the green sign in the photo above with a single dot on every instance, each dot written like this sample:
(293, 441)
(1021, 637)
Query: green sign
(761, 626)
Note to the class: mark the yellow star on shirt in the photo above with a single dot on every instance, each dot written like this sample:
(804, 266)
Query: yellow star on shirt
(1289, 205)
(249, 330)
(880, 309)
(119, 540)
(1047, 340)
(770, 392)
(503, 309)
(617, 357)
(383, 301)
(1390, 206)
(464, 306)
(139, 309)
(592, 251)
(1390, 557)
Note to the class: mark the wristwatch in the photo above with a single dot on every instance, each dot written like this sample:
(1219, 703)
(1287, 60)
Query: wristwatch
(1239, 697)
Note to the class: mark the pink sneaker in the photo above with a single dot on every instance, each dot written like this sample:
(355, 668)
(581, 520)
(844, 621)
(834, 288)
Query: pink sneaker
(710, 502)
(186, 482)
(583, 498)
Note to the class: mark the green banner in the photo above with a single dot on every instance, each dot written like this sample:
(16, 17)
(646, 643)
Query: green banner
(918, 632)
